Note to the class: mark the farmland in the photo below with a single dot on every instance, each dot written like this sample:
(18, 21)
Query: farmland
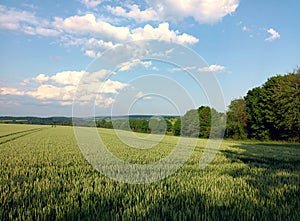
(44, 176)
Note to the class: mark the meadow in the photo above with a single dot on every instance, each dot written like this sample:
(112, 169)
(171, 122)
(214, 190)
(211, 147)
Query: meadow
(44, 176)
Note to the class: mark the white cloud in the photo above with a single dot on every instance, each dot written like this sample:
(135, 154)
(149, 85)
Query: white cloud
(10, 91)
(68, 77)
(11, 18)
(61, 88)
(91, 53)
(93, 34)
(162, 33)
(94, 48)
(111, 87)
(91, 3)
(87, 24)
(25, 82)
(244, 28)
(212, 68)
(126, 66)
(104, 102)
(183, 69)
(65, 103)
(45, 92)
(24, 21)
(46, 31)
(41, 78)
(135, 13)
(139, 94)
(203, 11)
(274, 35)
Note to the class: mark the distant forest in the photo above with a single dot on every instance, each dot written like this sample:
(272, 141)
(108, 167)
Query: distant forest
(268, 112)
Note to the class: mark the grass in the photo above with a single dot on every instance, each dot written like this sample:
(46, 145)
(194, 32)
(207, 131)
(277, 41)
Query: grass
(44, 176)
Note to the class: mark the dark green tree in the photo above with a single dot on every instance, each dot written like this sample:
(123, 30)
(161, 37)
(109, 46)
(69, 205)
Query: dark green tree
(169, 125)
(237, 117)
(177, 127)
(274, 109)
(190, 124)
(205, 121)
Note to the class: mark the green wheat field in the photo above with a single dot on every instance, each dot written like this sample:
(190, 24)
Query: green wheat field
(44, 176)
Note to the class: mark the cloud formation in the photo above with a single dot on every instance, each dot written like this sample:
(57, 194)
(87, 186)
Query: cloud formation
(25, 22)
(91, 3)
(212, 68)
(61, 87)
(135, 13)
(92, 33)
(203, 11)
(274, 35)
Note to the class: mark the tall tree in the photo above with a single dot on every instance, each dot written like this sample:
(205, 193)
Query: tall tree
(237, 118)
(274, 109)
(177, 127)
(205, 121)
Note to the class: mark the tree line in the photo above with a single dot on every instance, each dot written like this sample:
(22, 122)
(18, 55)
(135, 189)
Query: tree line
(268, 112)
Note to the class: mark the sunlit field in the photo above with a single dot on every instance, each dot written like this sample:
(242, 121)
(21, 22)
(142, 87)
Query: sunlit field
(44, 176)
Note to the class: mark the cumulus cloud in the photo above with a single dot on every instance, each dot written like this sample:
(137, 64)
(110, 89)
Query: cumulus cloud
(135, 13)
(10, 91)
(61, 88)
(274, 35)
(203, 11)
(87, 24)
(45, 92)
(212, 68)
(92, 34)
(67, 77)
(104, 102)
(112, 87)
(163, 33)
(41, 78)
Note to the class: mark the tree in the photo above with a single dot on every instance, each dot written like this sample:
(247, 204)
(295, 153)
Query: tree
(177, 127)
(237, 119)
(255, 106)
(205, 121)
(169, 125)
(190, 124)
(274, 109)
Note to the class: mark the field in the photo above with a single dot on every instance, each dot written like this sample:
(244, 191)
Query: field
(44, 176)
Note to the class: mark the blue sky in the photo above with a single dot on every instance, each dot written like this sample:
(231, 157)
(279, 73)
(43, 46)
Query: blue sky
(46, 46)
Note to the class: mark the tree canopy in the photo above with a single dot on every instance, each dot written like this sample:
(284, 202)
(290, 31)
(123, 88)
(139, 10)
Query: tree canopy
(269, 112)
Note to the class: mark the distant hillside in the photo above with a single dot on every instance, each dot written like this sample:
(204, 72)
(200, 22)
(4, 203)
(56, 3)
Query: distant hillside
(67, 121)
(37, 120)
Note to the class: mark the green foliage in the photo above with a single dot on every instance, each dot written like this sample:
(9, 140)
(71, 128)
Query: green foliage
(190, 124)
(169, 125)
(237, 118)
(204, 122)
(43, 176)
(274, 109)
(177, 127)
(156, 125)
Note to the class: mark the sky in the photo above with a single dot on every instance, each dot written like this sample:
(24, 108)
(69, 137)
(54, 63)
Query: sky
(60, 58)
